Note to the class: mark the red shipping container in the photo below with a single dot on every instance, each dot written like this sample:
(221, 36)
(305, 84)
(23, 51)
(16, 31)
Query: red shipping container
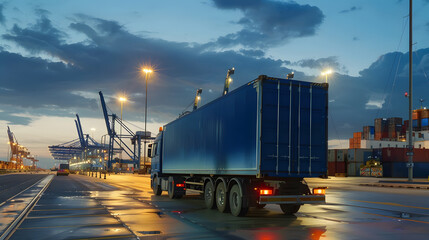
(377, 136)
(400, 155)
(332, 168)
(406, 124)
(341, 167)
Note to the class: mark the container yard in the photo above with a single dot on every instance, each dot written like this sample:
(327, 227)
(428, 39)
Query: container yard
(385, 142)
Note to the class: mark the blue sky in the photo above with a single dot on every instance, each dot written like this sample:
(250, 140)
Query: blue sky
(56, 55)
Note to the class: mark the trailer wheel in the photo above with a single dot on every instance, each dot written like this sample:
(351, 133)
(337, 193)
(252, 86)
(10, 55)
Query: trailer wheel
(173, 191)
(222, 198)
(155, 187)
(290, 209)
(236, 202)
(209, 195)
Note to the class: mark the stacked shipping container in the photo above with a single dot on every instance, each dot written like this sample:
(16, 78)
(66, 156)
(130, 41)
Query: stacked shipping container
(356, 140)
(337, 159)
(381, 128)
(420, 119)
(394, 161)
(394, 127)
(368, 133)
(356, 158)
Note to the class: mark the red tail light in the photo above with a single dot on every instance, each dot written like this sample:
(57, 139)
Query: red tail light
(266, 191)
(180, 185)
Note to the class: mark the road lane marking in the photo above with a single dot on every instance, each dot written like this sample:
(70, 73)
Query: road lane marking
(66, 209)
(71, 226)
(391, 204)
(72, 216)
(402, 219)
(110, 237)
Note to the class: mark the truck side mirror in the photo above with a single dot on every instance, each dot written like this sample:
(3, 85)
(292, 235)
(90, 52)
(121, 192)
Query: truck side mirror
(149, 152)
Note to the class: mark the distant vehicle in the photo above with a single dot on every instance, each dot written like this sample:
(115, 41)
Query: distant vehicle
(63, 169)
(251, 147)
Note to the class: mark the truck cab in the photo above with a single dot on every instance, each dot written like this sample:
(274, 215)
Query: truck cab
(156, 156)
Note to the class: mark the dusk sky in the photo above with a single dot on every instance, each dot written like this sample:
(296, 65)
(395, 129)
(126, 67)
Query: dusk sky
(56, 55)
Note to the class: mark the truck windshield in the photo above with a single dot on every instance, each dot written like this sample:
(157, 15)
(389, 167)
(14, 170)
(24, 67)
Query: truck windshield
(64, 166)
(155, 145)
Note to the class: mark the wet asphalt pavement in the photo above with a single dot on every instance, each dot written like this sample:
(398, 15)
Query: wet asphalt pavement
(67, 211)
(123, 207)
(12, 184)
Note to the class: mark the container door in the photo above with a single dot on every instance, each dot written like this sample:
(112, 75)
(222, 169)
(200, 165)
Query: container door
(293, 129)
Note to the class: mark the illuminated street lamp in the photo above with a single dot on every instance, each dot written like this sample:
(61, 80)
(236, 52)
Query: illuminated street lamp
(147, 72)
(326, 73)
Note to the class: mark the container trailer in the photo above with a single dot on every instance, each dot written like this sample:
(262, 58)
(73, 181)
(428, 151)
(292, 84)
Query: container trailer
(251, 147)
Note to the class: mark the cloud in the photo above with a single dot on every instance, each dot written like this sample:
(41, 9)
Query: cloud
(252, 53)
(320, 63)
(377, 92)
(2, 18)
(351, 9)
(268, 23)
(109, 60)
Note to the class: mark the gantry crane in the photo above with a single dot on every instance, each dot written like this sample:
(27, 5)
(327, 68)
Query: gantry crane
(111, 120)
(81, 149)
(19, 152)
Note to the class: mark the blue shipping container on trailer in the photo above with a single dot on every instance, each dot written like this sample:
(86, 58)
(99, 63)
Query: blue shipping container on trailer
(269, 127)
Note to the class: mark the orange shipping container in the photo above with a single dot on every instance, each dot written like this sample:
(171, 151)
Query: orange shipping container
(425, 113)
(357, 140)
(357, 135)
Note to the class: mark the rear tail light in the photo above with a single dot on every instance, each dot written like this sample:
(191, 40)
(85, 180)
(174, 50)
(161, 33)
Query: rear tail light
(180, 185)
(319, 191)
(266, 191)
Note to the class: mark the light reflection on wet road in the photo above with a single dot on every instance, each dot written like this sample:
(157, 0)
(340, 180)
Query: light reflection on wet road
(123, 206)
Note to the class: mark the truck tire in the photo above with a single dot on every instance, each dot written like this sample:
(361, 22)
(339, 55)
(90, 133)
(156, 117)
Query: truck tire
(236, 202)
(155, 187)
(209, 195)
(173, 193)
(222, 202)
(290, 209)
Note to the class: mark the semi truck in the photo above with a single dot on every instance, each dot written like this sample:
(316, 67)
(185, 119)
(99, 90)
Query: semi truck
(251, 147)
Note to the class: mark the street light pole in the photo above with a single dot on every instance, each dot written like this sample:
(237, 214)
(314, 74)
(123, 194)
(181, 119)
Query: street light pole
(147, 72)
(122, 100)
(410, 99)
